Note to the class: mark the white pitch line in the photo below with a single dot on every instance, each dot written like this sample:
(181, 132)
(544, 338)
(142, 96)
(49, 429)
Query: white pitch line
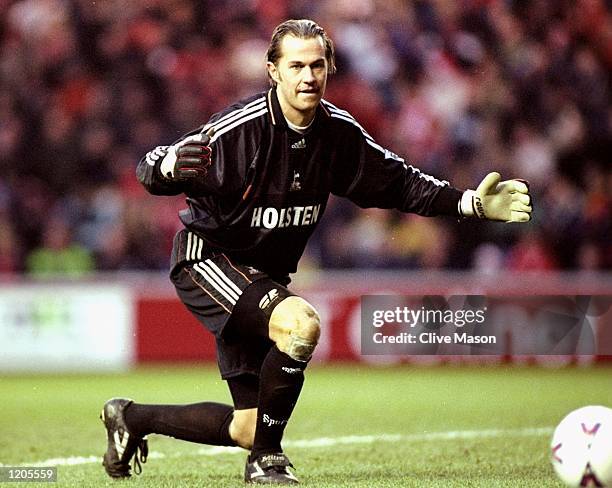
(314, 443)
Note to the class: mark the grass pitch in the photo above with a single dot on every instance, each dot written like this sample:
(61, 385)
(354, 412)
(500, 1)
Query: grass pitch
(440, 426)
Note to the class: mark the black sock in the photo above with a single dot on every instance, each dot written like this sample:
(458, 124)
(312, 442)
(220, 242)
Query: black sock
(204, 423)
(280, 383)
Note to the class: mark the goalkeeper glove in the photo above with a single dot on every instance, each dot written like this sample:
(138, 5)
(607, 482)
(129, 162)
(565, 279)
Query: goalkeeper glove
(508, 201)
(189, 159)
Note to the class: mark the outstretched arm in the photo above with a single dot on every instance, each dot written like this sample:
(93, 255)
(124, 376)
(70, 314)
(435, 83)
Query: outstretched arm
(379, 178)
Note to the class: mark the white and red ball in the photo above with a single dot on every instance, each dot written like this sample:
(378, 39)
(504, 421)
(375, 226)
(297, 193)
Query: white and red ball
(581, 447)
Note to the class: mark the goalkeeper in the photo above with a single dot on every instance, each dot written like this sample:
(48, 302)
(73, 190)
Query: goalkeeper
(257, 177)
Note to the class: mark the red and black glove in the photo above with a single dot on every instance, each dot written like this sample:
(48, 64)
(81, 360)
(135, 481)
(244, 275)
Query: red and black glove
(193, 157)
(189, 159)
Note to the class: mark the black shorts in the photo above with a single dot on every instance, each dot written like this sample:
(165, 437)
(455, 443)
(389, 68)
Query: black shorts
(234, 302)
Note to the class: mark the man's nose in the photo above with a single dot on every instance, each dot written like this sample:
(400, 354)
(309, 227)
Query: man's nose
(308, 75)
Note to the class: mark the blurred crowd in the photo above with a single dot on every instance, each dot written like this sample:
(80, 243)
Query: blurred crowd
(459, 88)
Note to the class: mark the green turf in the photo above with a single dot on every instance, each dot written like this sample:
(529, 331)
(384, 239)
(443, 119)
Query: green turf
(46, 417)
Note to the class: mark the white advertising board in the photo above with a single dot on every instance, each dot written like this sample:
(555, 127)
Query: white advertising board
(60, 327)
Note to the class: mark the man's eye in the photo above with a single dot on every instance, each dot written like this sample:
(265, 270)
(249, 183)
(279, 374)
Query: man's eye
(295, 67)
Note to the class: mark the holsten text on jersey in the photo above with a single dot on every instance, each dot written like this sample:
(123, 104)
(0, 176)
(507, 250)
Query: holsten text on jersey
(271, 218)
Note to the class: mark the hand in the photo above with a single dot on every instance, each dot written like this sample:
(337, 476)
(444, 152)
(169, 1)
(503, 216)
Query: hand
(508, 201)
(188, 159)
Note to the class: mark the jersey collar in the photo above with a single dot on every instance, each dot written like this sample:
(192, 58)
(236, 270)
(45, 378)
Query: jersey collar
(276, 113)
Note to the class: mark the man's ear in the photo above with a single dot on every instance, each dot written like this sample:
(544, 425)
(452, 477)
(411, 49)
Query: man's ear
(273, 72)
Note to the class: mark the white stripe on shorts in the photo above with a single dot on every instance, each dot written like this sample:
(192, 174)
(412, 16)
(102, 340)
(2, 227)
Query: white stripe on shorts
(224, 277)
(214, 281)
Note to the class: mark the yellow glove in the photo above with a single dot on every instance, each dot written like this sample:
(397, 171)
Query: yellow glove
(508, 201)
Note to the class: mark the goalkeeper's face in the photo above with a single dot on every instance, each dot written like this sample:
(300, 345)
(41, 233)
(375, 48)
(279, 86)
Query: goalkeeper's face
(301, 77)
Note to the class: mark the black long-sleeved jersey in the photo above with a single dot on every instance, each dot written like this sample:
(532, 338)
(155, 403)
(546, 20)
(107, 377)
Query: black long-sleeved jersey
(268, 185)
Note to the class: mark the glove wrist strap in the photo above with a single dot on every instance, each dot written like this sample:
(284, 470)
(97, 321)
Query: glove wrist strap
(466, 204)
(166, 167)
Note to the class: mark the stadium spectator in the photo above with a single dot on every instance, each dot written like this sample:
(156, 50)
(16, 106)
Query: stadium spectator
(59, 255)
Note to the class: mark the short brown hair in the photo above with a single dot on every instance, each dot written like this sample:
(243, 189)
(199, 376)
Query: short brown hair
(302, 29)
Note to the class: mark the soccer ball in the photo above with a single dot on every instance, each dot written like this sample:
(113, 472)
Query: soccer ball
(581, 447)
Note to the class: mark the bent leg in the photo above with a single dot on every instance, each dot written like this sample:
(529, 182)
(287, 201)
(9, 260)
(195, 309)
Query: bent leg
(205, 423)
(294, 328)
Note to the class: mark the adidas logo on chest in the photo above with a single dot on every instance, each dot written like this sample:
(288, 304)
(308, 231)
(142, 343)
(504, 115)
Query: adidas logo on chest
(301, 144)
